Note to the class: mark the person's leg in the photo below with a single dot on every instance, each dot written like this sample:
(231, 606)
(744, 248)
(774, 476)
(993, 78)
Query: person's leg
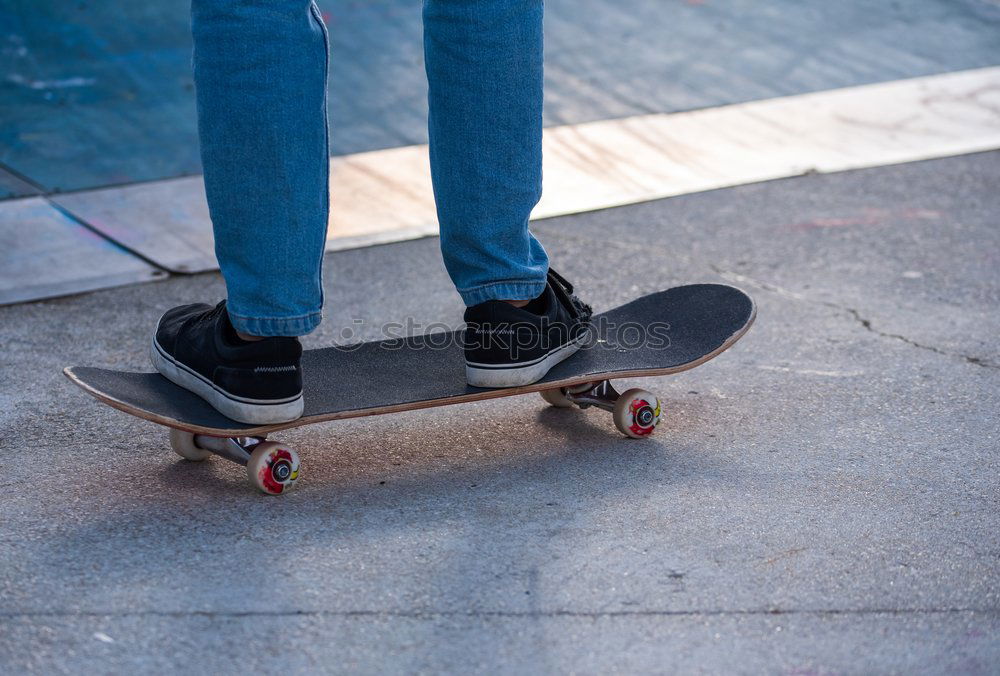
(260, 69)
(484, 72)
(260, 75)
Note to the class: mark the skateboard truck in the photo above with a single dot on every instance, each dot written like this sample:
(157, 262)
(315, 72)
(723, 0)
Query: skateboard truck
(603, 395)
(237, 449)
(636, 412)
(271, 466)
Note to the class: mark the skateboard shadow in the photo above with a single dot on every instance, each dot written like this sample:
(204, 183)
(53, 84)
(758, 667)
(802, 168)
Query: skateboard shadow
(477, 507)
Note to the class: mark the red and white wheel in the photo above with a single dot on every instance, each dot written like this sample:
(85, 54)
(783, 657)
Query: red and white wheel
(273, 467)
(637, 413)
(184, 446)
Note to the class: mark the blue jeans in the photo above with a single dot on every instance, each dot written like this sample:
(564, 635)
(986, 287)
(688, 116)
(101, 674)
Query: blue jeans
(260, 70)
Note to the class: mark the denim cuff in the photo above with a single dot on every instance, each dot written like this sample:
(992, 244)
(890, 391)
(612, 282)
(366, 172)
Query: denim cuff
(505, 290)
(276, 326)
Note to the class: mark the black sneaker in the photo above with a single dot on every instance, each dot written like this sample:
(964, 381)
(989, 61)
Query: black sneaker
(507, 346)
(258, 383)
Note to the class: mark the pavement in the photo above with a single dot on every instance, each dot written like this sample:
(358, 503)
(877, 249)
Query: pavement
(821, 499)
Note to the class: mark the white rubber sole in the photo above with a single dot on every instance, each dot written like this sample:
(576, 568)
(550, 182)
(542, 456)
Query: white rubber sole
(241, 409)
(488, 375)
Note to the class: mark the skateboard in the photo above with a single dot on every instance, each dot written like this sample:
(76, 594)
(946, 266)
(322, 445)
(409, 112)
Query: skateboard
(658, 334)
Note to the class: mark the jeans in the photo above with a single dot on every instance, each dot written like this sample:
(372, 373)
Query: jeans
(260, 69)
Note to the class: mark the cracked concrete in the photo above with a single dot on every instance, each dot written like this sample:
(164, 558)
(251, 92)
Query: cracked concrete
(866, 323)
(821, 499)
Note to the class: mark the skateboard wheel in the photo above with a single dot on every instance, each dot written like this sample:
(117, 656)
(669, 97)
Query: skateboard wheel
(183, 444)
(637, 413)
(273, 468)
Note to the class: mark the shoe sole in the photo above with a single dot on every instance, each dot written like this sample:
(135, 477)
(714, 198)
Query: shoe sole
(241, 409)
(515, 375)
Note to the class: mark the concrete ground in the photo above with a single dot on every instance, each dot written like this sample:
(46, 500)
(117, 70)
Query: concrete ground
(823, 498)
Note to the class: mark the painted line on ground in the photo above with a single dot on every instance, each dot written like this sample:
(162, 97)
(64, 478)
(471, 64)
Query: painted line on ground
(616, 162)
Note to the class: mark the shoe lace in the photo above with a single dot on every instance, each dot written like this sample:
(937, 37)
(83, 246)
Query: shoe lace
(583, 310)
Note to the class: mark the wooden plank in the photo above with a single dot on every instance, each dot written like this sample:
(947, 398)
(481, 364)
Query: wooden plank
(44, 253)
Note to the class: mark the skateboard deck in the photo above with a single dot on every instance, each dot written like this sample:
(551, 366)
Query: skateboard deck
(698, 322)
